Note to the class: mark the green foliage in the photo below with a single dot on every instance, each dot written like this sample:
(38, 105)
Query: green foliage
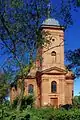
(26, 101)
(67, 106)
(76, 101)
(25, 69)
(4, 87)
(78, 3)
(74, 60)
(40, 114)
(19, 3)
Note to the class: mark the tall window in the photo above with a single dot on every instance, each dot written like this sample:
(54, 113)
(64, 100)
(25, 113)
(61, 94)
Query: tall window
(53, 54)
(53, 87)
(30, 88)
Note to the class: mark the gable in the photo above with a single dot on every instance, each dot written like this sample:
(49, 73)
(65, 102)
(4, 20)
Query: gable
(55, 70)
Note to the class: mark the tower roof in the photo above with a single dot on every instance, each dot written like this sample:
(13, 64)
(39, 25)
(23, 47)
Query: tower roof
(51, 22)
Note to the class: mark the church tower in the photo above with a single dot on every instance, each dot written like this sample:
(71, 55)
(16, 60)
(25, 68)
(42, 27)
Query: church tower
(56, 90)
(53, 50)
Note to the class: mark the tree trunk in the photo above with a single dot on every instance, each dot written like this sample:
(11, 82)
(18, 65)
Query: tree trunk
(21, 94)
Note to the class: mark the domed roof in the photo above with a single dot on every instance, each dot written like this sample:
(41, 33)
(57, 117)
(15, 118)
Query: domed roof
(51, 21)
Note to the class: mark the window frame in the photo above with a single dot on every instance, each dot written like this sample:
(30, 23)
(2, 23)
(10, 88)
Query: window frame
(30, 89)
(53, 87)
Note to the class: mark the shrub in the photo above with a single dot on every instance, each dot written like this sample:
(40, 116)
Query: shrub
(31, 113)
(26, 101)
(67, 106)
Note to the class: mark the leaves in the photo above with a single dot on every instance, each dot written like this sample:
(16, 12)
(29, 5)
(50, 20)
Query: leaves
(39, 114)
(74, 60)
(4, 87)
(78, 3)
(19, 3)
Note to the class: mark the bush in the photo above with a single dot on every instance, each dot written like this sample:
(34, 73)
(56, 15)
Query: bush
(67, 106)
(31, 113)
(26, 101)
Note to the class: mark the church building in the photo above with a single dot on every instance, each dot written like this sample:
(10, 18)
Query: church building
(52, 83)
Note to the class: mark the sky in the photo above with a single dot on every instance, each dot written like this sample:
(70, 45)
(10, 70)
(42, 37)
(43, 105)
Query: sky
(72, 41)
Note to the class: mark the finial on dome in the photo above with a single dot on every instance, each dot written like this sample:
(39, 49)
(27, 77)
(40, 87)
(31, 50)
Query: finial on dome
(50, 21)
(49, 7)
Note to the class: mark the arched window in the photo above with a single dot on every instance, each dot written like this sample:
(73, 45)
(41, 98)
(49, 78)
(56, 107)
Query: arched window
(53, 54)
(53, 86)
(30, 88)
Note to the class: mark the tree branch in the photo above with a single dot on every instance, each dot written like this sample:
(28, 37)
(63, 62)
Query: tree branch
(60, 44)
(7, 29)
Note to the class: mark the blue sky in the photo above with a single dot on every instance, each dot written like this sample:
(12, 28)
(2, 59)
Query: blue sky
(72, 41)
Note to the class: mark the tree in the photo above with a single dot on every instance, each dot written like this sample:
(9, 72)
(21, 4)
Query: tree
(78, 3)
(4, 87)
(20, 34)
(73, 57)
(76, 101)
